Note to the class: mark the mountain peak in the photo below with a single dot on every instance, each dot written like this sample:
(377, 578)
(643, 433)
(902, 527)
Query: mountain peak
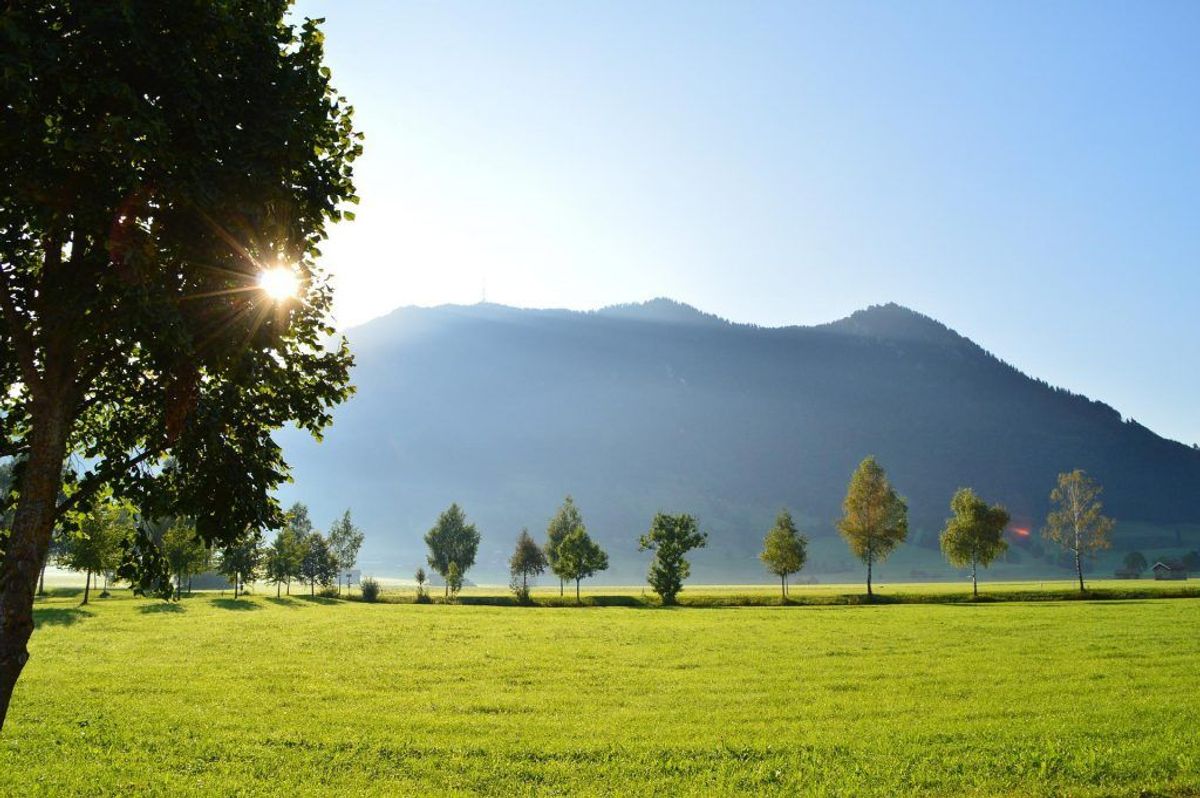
(895, 322)
(660, 310)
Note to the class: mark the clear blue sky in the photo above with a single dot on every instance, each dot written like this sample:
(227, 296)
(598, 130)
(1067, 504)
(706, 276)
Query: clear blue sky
(1028, 173)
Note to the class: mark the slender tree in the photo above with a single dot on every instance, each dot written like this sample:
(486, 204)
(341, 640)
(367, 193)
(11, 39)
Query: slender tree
(317, 566)
(299, 526)
(454, 580)
(242, 562)
(345, 541)
(420, 578)
(1075, 521)
(184, 551)
(671, 537)
(155, 162)
(276, 567)
(785, 550)
(452, 541)
(527, 560)
(579, 558)
(565, 521)
(93, 545)
(974, 535)
(875, 518)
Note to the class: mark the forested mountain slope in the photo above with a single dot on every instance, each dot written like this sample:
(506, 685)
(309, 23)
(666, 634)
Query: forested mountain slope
(654, 406)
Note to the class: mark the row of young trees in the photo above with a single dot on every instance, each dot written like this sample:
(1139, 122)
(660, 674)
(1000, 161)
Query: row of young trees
(299, 552)
(96, 540)
(874, 522)
(569, 552)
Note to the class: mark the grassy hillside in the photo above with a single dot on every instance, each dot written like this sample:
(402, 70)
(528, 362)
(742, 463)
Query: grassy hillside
(317, 697)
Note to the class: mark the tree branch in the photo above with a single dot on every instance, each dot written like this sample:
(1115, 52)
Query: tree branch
(100, 477)
(21, 338)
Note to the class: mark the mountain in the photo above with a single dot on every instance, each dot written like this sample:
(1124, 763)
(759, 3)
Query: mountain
(642, 407)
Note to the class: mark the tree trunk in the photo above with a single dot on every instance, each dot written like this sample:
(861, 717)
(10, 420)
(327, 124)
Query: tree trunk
(561, 587)
(289, 586)
(577, 601)
(42, 581)
(278, 586)
(869, 593)
(87, 584)
(1079, 571)
(189, 584)
(783, 586)
(29, 542)
(974, 581)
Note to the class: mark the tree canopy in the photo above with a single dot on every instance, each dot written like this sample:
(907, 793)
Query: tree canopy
(184, 551)
(345, 541)
(671, 537)
(527, 560)
(1076, 522)
(156, 159)
(94, 541)
(974, 535)
(874, 517)
(242, 561)
(580, 557)
(565, 521)
(452, 542)
(785, 550)
(317, 566)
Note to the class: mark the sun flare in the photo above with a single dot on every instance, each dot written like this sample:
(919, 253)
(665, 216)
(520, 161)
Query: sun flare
(279, 283)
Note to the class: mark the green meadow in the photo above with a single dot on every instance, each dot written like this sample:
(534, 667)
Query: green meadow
(299, 696)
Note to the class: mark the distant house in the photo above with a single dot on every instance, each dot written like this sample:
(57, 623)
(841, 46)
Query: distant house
(1173, 569)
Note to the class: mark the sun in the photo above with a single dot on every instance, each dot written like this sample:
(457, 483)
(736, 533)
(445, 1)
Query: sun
(279, 283)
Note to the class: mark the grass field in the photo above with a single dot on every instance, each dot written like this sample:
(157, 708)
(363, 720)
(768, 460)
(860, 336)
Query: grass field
(298, 696)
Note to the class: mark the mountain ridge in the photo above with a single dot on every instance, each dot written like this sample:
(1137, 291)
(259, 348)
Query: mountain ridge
(658, 405)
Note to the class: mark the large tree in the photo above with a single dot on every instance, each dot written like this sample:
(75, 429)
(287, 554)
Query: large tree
(527, 560)
(785, 550)
(874, 517)
(158, 160)
(580, 557)
(345, 541)
(452, 542)
(671, 537)
(1076, 522)
(565, 521)
(974, 535)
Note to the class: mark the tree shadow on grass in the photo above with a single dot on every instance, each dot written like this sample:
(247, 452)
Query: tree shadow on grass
(59, 616)
(319, 600)
(161, 607)
(235, 604)
(285, 601)
(61, 592)
(614, 601)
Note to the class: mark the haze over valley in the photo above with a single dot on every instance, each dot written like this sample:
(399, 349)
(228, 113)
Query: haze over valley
(658, 406)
